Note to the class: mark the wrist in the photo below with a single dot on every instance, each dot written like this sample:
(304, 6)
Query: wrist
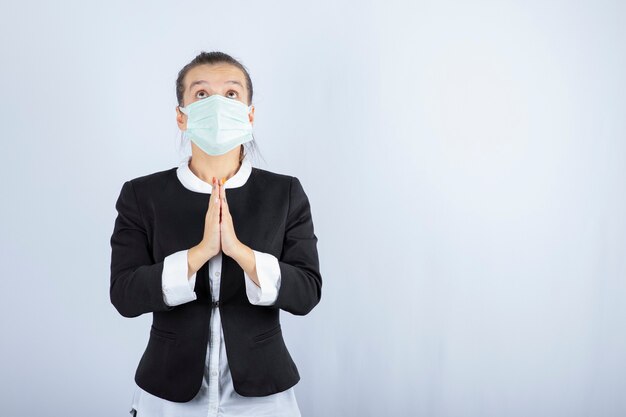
(239, 252)
(202, 252)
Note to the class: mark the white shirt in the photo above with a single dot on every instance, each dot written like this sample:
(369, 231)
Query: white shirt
(217, 397)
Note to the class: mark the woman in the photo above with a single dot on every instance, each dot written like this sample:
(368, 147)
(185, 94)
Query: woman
(214, 261)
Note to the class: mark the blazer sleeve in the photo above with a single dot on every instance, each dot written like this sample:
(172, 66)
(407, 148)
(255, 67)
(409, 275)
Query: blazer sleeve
(268, 273)
(301, 281)
(136, 280)
(177, 288)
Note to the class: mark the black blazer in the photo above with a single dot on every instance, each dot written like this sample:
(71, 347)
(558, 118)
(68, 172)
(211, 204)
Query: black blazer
(158, 216)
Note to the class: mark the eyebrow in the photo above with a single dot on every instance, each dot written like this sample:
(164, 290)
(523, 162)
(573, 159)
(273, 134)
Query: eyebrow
(205, 82)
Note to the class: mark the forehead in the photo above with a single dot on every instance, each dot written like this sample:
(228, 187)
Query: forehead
(215, 75)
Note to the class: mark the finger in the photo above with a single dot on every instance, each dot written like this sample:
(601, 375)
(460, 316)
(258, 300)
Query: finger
(217, 192)
(223, 192)
(214, 204)
(225, 208)
(219, 200)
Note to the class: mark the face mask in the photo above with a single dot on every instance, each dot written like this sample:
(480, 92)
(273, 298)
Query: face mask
(217, 124)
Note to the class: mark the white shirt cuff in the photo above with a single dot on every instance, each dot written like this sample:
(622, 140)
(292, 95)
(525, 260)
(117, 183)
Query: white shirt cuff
(268, 271)
(177, 288)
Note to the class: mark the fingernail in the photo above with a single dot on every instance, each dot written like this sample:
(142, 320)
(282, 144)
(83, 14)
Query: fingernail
(223, 180)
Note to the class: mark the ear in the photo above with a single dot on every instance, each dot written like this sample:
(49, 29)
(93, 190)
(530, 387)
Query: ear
(181, 119)
(251, 115)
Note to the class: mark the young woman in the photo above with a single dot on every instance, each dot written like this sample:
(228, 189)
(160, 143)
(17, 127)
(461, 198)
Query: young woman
(214, 249)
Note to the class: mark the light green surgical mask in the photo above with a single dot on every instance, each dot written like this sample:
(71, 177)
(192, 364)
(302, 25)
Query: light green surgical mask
(217, 124)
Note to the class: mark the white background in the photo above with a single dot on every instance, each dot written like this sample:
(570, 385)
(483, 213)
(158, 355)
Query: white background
(465, 164)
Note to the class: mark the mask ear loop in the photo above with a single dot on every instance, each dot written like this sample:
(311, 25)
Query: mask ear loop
(184, 132)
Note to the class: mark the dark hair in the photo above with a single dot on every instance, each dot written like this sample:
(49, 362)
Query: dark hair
(210, 58)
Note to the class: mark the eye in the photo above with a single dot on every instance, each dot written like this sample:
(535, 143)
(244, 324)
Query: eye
(203, 94)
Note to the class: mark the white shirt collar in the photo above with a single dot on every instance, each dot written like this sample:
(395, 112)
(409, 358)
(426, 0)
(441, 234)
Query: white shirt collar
(194, 183)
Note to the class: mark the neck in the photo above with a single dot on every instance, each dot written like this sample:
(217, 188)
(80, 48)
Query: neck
(206, 166)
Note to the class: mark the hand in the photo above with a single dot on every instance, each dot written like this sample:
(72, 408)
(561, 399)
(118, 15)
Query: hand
(211, 242)
(229, 242)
